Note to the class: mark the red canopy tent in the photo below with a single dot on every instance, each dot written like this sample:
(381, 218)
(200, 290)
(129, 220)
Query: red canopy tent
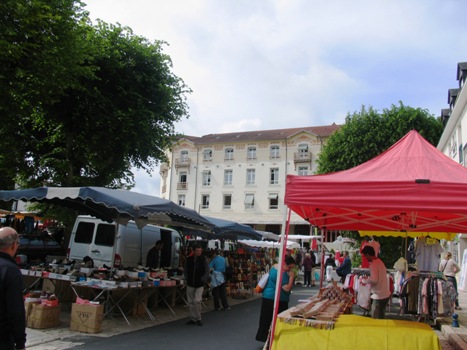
(410, 187)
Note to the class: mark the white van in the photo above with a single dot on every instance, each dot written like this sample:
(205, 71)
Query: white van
(129, 247)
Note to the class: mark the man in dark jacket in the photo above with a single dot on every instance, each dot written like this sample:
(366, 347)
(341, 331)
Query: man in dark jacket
(196, 275)
(153, 259)
(12, 313)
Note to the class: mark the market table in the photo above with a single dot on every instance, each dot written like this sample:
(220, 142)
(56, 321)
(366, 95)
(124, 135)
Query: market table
(113, 297)
(356, 332)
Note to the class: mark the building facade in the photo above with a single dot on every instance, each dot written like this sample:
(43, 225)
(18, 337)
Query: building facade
(453, 141)
(241, 176)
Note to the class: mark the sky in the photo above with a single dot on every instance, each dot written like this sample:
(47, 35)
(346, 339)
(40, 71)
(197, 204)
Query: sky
(273, 64)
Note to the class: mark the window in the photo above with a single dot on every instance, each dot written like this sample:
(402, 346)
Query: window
(274, 176)
(251, 153)
(207, 178)
(229, 152)
(181, 200)
(249, 201)
(302, 170)
(184, 156)
(273, 201)
(182, 179)
(84, 232)
(228, 174)
(303, 150)
(207, 155)
(274, 154)
(205, 201)
(227, 202)
(105, 235)
(250, 176)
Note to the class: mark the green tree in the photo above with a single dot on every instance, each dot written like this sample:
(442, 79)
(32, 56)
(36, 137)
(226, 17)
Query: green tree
(83, 104)
(368, 133)
(42, 51)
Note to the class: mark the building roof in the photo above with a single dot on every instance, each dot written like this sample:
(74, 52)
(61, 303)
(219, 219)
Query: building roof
(262, 135)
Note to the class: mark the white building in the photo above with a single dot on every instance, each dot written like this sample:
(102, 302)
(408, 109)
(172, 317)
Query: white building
(241, 176)
(453, 141)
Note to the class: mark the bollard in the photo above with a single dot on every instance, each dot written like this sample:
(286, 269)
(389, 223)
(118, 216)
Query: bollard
(455, 322)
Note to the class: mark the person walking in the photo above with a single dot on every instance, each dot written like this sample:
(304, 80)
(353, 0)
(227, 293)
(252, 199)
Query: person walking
(12, 312)
(307, 267)
(267, 304)
(449, 267)
(345, 268)
(218, 266)
(329, 265)
(379, 283)
(196, 274)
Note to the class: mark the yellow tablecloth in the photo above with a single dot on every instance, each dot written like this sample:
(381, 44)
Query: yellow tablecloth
(353, 332)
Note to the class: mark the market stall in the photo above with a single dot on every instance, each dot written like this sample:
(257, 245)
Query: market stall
(411, 187)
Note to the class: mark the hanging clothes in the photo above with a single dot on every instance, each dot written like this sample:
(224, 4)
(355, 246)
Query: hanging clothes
(427, 253)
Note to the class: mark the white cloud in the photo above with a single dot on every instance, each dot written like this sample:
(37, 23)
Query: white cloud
(286, 63)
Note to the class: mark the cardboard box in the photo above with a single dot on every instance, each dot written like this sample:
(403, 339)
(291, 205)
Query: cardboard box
(86, 318)
(40, 317)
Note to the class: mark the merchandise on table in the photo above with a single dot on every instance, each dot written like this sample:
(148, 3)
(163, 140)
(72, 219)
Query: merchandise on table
(320, 311)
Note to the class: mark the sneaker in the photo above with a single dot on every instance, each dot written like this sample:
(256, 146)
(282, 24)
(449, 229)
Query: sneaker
(191, 322)
(227, 308)
(199, 323)
(304, 286)
(458, 308)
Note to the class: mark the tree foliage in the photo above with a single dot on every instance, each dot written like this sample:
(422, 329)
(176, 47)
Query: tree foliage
(81, 104)
(368, 133)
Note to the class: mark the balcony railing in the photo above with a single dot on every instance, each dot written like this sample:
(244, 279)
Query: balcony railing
(182, 162)
(302, 157)
(182, 185)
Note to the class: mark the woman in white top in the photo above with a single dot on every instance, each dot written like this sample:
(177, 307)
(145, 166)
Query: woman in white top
(449, 267)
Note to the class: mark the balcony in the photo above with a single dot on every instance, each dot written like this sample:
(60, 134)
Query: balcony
(182, 162)
(182, 185)
(302, 157)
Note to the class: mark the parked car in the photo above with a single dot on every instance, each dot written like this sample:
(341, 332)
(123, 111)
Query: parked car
(38, 247)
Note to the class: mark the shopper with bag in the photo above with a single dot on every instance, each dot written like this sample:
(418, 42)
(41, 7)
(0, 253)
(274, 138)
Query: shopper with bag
(217, 266)
(267, 305)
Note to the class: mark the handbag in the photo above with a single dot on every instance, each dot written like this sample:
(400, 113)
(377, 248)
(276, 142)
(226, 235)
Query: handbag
(263, 281)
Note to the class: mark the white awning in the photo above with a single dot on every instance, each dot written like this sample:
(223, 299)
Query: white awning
(273, 196)
(266, 244)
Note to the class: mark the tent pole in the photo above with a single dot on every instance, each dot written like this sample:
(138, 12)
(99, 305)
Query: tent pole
(283, 249)
(321, 275)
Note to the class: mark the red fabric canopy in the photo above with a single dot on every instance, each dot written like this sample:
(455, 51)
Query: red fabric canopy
(410, 187)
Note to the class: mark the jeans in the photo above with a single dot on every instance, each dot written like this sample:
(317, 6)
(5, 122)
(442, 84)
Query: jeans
(219, 292)
(378, 308)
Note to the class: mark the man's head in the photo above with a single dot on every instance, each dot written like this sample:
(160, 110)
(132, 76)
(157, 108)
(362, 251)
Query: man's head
(346, 253)
(198, 250)
(9, 241)
(369, 253)
(159, 244)
(448, 255)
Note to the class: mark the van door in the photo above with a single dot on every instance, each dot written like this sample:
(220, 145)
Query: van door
(95, 240)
